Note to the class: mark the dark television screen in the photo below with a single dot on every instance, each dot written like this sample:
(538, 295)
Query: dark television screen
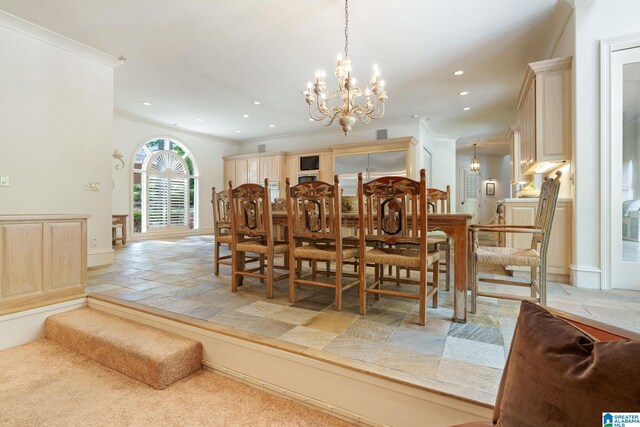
(309, 163)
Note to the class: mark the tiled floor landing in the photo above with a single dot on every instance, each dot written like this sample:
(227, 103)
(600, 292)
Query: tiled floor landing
(464, 359)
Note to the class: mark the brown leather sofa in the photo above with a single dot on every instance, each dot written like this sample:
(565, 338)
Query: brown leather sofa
(566, 370)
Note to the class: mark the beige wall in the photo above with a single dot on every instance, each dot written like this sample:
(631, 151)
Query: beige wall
(56, 110)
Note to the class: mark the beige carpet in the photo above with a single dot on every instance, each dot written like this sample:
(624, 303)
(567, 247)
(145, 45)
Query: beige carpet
(43, 383)
(147, 354)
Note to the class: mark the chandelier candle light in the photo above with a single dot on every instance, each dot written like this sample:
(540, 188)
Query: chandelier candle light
(348, 106)
(475, 163)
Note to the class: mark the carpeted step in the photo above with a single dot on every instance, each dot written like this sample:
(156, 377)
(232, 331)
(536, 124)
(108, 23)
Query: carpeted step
(149, 355)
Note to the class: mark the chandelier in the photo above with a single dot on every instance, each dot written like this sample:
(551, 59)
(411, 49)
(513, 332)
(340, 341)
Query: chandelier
(475, 163)
(348, 101)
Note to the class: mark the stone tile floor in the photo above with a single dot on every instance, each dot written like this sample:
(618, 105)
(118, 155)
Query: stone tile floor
(177, 276)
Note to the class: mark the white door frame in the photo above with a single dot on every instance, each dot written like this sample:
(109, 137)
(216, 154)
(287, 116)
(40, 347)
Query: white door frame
(607, 48)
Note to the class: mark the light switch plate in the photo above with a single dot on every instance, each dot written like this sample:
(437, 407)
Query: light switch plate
(4, 181)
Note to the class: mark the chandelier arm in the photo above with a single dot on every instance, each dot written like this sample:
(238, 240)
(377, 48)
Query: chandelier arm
(314, 117)
(332, 118)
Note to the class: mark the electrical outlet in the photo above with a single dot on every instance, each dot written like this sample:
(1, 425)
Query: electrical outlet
(94, 243)
(4, 181)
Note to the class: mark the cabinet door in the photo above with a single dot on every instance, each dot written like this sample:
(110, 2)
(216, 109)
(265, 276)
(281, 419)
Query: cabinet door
(326, 167)
(553, 116)
(242, 172)
(270, 168)
(291, 169)
(520, 214)
(253, 171)
(559, 250)
(229, 174)
(528, 130)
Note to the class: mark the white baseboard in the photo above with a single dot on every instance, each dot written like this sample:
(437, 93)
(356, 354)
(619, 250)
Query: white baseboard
(170, 234)
(585, 277)
(352, 394)
(25, 326)
(99, 257)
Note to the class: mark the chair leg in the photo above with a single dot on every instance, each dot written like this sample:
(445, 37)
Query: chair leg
(379, 273)
(216, 259)
(397, 276)
(314, 269)
(474, 284)
(292, 276)
(270, 275)
(534, 280)
(436, 283)
(235, 259)
(262, 267)
(362, 285)
(543, 282)
(338, 287)
(328, 267)
(423, 298)
(447, 254)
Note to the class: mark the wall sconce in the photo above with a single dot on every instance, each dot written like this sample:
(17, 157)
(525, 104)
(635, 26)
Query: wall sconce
(117, 154)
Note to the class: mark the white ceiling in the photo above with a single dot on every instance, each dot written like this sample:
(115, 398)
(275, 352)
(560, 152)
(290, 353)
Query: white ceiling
(209, 59)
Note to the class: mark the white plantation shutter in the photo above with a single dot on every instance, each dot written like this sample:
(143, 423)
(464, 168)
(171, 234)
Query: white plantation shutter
(157, 203)
(167, 191)
(471, 185)
(178, 201)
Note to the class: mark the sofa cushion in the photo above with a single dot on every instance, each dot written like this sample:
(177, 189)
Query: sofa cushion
(559, 376)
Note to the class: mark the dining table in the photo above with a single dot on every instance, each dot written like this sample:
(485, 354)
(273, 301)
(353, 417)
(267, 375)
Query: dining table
(455, 225)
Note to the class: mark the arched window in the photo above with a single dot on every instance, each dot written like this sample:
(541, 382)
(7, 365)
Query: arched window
(165, 186)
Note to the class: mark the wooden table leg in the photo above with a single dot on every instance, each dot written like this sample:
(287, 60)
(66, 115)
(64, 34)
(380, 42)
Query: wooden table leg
(460, 273)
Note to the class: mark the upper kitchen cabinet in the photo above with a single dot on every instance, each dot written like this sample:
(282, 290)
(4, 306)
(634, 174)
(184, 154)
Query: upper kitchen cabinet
(253, 168)
(544, 104)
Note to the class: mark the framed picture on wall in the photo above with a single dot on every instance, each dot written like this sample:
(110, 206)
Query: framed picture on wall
(490, 189)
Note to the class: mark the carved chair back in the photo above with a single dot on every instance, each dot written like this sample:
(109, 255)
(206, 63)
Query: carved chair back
(221, 213)
(314, 211)
(251, 212)
(385, 206)
(439, 200)
(545, 212)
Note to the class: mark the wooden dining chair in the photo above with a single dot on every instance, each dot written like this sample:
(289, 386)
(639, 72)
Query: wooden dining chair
(252, 232)
(222, 230)
(534, 257)
(393, 216)
(315, 233)
(440, 203)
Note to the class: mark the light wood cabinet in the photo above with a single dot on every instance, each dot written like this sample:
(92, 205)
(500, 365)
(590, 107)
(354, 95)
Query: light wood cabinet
(253, 168)
(514, 151)
(559, 251)
(544, 106)
(41, 257)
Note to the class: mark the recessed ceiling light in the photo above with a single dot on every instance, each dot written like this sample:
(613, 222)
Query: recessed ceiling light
(237, 131)
(272, 126)
(245, 116)
(310, 119)
(463, 93)
(256, 102)
(146, 103)
(458, 73)
(199, 120)
(415, 116)
(467, 108)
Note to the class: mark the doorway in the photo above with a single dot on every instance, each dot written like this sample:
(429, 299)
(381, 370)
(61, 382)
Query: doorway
(625, 168)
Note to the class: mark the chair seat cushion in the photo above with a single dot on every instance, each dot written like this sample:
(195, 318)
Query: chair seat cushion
(556, 375)
(260, 248)
(508, 256)
(403, 257)
(225, 238)
(324, 252)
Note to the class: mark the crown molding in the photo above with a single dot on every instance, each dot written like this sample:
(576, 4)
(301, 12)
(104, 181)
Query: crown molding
(27, 28)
